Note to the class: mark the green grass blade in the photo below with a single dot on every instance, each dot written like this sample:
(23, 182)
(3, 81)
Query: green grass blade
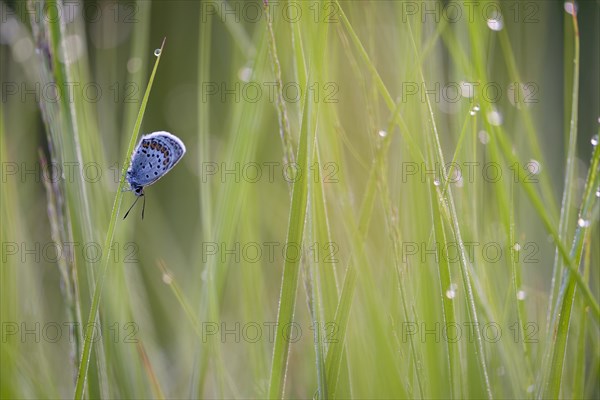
(580, 365)
(557, 347)
(291, 267)
(333, 361)
(88, 338)
(282, 113)
(449, 312)
(65, 130)
(539, 207)
(562, 316)
(466, 275)
(569, 178)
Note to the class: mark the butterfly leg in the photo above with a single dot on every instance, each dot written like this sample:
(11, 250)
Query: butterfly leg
(127, 213)
(144, 205)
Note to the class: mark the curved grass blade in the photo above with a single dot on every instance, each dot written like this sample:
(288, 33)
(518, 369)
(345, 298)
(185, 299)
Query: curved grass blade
(88, 339)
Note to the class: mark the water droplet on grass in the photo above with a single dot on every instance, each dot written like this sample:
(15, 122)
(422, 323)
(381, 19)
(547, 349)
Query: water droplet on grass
(495, 24)
(475, 109)
(594, 140)
(484, 137)
(157, 52)
(494, 118)
(521, 295)
(245, 73)
(134, 64)
(382, 133)
(466, 89)
(583, 223)
(570, 7)
(534, 166)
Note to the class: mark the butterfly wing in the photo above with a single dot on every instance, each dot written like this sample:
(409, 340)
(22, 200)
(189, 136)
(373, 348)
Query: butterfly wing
(154, 156)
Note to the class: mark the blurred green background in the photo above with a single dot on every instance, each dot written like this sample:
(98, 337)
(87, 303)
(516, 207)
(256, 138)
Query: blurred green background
(309, 243)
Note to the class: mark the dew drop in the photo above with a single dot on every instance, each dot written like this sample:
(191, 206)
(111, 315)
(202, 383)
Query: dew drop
(245, 73)
(71, 50)
(450, 293)
(157, 52)
(466, 89)
(534, 167)
(484, 137)
(134, 64)
(517, 247)
(598, 192)
(495, 24)
(570, 7)
(594, 140)
(520, 94)
(476, 107)
(382, 133)
(583, 223)
(530, 388)
(167, 279)
(494, 118)
(521, 295)
(472, 112)
(454, 175)
(436, 182)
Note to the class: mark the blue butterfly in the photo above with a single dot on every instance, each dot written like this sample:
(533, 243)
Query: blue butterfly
(154, 156)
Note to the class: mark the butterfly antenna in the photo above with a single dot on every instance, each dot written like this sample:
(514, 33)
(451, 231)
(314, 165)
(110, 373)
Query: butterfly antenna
(143, 206)
(127, 213)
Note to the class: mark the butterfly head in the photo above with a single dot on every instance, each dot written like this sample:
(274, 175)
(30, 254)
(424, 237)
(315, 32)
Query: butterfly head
(138, 190)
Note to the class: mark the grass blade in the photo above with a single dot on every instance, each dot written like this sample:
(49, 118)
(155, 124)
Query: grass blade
(559, 333)
(291, 267)
(88, 337)
(333, 361)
